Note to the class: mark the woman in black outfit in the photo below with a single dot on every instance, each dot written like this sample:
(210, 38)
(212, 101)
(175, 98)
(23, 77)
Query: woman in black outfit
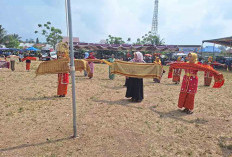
(135, 85)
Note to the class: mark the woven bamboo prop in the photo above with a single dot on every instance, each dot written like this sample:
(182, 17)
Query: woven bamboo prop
(61, 66)
(136, 70)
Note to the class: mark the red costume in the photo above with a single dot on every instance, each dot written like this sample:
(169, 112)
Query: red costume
(208, 77)
(190, 81)
(188, 89)
(176, 75)
(28, 62)
(63, 80)
(91, 65)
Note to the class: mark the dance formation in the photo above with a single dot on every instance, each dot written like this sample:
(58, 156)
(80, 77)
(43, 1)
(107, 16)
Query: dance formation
(134, 70)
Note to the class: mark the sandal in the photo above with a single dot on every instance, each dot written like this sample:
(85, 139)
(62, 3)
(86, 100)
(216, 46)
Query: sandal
(189, 112)
(184, 110)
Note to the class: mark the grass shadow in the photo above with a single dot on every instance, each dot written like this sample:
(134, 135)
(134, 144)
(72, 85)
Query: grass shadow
(177, 115)
(115, 88)
(44, 98)
(34, 144)
(225, 144)
(171, 84)
(203, 86)
(121, 102)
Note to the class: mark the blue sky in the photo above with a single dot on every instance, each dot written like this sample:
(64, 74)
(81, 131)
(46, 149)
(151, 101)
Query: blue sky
(180, 21)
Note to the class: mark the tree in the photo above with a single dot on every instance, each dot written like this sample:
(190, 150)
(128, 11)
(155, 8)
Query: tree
(2, 34)
(52, 34)
(114, 40)
(37, 41)
(138, 42)
(31, 40)
(11, 41)
(16, 36)
(150, 39)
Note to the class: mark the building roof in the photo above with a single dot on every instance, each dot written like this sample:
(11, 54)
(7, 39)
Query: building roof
(227, 41)
(182, 46)
(122, 47)
(66, 39)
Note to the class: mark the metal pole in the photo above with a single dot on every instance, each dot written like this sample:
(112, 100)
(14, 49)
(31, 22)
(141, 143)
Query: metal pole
(230, 49)
(201, 49)
(213, 50)
(66, 17)
(72, 66)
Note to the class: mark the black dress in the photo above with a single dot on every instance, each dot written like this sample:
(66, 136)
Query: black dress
(126, 82)
(134, 89)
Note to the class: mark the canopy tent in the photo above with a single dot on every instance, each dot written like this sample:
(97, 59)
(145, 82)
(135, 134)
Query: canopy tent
(211, 49)
(181, 54)
(124, 47)
(3, 49)
(32, 49)
(227, 41)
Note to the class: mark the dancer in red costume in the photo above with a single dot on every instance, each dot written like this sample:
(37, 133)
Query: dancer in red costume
(190, 81)
(63, 78)
(177, 73)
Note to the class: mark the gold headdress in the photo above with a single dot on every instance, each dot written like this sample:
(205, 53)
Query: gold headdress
(194, 56)
(62, 50)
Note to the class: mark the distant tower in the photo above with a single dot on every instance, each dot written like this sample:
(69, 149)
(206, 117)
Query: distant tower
(154, 28)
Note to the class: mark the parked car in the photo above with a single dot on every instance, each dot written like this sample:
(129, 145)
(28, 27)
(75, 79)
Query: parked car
(49, 56)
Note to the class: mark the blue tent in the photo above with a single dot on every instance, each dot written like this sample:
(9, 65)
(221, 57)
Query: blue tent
(32, 49)
(211, 49)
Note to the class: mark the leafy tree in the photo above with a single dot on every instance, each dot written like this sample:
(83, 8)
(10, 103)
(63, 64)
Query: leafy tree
(11, 41)
(16, 36)
(37, 41)
(2, 34)
(150, 39)
(114, 40)
(138, 42)
(52, 34)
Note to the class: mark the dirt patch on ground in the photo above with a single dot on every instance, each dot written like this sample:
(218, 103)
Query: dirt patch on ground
(34, 122)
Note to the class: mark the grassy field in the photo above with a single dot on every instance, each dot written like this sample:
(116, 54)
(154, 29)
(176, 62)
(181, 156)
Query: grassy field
(34, 122)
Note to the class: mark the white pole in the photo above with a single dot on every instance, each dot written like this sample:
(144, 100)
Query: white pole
(72, 66)
(66, 18)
